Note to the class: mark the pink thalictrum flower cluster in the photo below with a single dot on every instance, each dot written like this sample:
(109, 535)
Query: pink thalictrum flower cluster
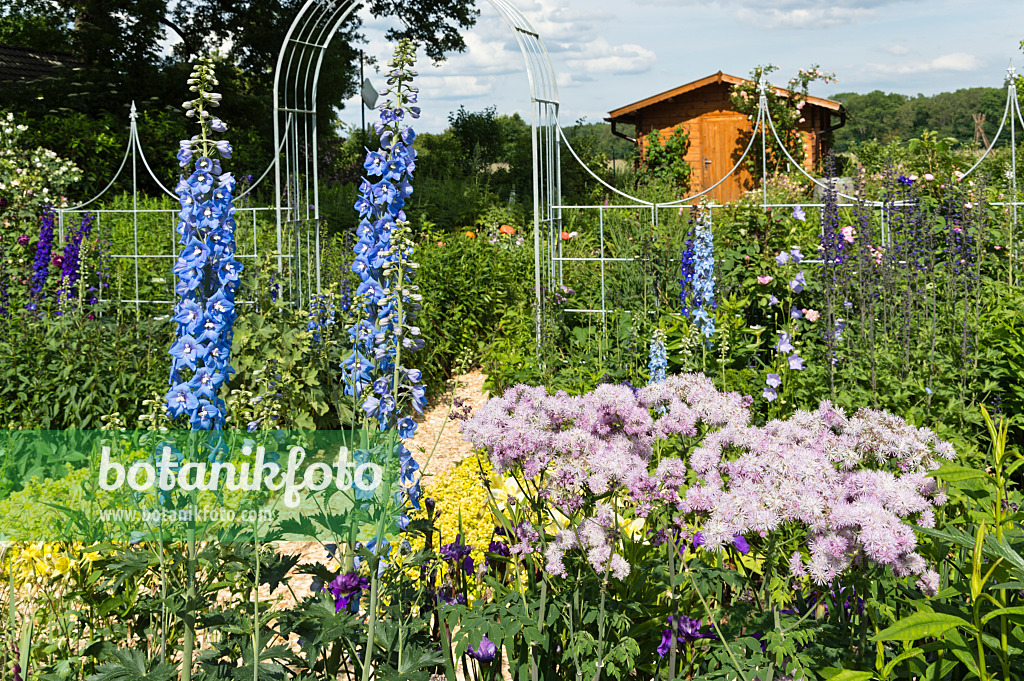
(852, 484)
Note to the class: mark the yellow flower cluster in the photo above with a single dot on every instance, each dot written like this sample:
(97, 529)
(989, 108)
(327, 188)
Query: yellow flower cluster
(38, 562)
(459, 492)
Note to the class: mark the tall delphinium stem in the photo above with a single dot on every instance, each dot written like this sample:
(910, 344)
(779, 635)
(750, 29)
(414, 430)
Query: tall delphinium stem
(704, 302)
(832, 257)
(207, 277)
(72, 261)
(868, 284)
(901, 239)
(979, 222)
(206, 269)
(381, 387)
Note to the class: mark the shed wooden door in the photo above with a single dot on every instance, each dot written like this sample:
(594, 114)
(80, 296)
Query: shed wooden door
(720, 149)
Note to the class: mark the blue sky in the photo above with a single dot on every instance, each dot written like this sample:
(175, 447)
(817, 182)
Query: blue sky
(609, 53)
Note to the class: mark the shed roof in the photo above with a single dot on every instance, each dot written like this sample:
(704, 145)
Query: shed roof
(626, 111)
(20, 63)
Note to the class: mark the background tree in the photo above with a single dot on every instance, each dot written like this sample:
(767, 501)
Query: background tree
(81, 113)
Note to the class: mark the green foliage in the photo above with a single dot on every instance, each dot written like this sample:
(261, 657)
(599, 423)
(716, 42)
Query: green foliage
(888, 117)
(786, 116)
(663, 159)
(977, 618)
(467, 285)
(30, 178)
(71, 370)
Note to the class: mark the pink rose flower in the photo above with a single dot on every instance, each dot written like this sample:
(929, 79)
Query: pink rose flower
(765, 279)
(849, 233)
(812, 315)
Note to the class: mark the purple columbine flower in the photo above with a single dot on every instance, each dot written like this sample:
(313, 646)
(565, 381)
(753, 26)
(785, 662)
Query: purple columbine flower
(458, 552)
(346, 589)
(687, 630)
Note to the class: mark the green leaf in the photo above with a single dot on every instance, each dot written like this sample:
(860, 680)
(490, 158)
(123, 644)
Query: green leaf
(921, 625)
(1014, 610)
(906, 655)
(953, 473)
(846, 675)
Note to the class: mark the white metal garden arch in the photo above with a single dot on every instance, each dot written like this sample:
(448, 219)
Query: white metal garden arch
(296, 172)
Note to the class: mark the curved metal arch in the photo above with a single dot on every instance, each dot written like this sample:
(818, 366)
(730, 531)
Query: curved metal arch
(296, 171)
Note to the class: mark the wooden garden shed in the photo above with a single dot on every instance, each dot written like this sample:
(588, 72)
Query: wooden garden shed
(718, 132)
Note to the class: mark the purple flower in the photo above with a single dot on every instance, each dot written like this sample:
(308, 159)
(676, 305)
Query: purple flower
(796, 362)
(796, 255)
(784, 344)
(798, 213)
(773, 380)
(740, 542)
(485, 652)
(458, 552)
(796, 313)
(498, 549)
(23, 240)
(769, 393)
(686, 631)
(782, 258)
(773, 300)
(666, 643)
(345, 588)
(798, 283)
(904, 180)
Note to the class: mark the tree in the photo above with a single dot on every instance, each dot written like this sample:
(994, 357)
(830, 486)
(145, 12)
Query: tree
(118, 44)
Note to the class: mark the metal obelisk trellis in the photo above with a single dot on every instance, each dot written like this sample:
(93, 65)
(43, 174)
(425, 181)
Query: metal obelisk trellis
(126, 222)
(296, 172)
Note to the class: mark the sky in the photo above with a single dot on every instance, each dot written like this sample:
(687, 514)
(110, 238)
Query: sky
(610, 53)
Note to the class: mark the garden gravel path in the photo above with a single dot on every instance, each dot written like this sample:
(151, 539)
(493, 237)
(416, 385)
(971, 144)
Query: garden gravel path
(435, 426)
(449, 450)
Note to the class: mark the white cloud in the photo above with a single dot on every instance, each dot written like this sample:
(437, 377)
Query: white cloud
(455, 87)
(898, 50)
(600, 56)
(956, 61)
(803, 17)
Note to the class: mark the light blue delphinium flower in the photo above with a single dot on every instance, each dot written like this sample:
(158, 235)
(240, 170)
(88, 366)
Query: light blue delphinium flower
(385, 302)
(704, 275)
(206, 268)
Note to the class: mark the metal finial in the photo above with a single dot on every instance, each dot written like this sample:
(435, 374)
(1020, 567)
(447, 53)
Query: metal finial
(762, 83)
(133, 114)
(1010, 71)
